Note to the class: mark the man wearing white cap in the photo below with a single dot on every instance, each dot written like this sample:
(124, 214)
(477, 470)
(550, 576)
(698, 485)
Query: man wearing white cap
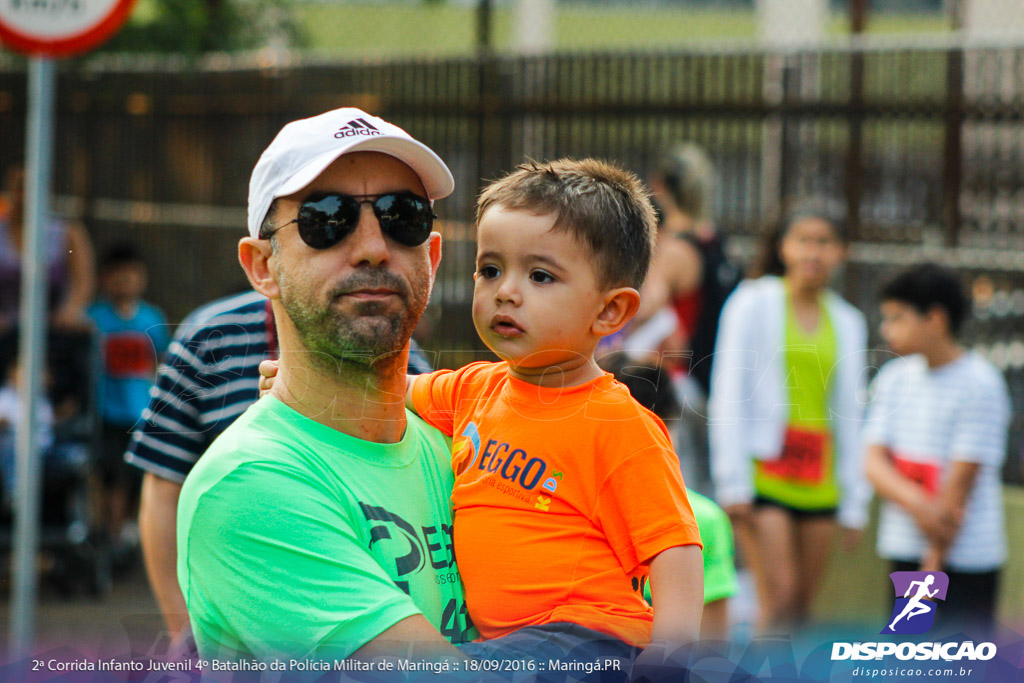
(318, 525)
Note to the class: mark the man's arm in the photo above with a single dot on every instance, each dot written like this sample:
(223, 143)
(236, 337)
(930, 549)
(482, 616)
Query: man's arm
(677, 593)
(158, 528)
(934, 520)
(81, 278)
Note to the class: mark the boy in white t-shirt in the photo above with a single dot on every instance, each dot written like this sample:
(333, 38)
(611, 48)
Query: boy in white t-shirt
(935, 440)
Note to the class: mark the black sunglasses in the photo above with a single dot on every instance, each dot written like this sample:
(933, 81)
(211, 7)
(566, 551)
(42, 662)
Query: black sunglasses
(326, 218)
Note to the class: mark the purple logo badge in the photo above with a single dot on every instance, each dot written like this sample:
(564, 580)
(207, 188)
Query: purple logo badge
(916, 592)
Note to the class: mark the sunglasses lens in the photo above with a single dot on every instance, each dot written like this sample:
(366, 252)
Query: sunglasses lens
(405, 218)
(326, 221)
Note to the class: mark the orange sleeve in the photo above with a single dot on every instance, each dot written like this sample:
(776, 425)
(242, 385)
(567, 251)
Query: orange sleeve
(642, 505)
(433, 398)
(436, 396)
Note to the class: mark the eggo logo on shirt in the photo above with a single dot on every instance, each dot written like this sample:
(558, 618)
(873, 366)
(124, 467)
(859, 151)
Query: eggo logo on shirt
(512, 464)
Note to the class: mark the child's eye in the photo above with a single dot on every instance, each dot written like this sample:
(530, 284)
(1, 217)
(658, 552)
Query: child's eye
(541, 277)
(488, 272)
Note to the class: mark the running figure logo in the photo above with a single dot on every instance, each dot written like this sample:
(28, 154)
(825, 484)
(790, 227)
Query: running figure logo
(914, 612)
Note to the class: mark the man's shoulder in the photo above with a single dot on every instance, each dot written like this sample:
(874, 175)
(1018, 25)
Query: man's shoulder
(259, 440)
(271, 434)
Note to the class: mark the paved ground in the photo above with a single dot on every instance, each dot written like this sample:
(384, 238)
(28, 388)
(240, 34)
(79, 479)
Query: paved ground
(124, 621)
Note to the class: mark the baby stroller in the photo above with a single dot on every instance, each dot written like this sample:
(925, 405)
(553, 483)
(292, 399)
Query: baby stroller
(74, 557)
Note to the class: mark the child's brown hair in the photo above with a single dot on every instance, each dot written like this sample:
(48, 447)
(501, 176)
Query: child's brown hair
(605, 207)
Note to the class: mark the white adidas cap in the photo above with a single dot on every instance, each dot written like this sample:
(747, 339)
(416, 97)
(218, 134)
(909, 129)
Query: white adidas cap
(304, 148)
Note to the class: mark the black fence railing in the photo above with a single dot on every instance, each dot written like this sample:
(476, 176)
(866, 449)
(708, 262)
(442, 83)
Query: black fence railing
(924, 146)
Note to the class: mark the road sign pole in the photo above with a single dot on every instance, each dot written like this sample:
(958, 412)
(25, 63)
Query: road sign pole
(32, 349)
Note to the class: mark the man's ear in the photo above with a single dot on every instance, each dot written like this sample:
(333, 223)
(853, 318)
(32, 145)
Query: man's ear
(620, 305)
(435, 253)
(254, 255)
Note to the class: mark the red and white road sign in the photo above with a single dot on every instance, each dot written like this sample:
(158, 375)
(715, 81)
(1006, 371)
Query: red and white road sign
(60, 28)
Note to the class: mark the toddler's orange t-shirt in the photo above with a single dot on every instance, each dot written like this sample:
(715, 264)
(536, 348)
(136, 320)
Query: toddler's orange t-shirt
(562, 496)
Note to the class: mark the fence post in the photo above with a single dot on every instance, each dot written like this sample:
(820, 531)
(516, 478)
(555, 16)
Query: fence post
(484, 27)
(952, 173)
(855, 144)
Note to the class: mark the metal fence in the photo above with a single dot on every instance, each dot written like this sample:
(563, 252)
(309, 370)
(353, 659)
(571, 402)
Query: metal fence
(924, 145)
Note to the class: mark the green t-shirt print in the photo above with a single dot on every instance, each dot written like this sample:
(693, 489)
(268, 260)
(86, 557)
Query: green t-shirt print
(295, 540)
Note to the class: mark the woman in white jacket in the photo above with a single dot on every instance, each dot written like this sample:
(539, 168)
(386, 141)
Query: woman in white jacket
(785, 413)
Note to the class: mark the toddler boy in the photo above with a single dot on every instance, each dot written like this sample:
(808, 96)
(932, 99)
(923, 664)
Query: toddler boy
(567, 495)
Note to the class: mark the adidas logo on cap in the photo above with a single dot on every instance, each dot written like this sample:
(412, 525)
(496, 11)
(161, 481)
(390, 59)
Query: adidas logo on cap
(357, 127)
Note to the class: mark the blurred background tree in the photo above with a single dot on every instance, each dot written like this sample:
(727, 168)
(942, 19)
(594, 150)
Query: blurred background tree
(195, 27)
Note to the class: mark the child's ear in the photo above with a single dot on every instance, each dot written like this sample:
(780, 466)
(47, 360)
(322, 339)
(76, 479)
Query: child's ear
(938, 318)
(620, 304)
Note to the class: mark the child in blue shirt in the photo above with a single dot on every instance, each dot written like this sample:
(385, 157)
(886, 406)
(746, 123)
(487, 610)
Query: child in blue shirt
(133, 335)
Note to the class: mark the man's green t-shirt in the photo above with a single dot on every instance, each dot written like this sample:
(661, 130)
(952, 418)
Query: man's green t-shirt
(295, 540)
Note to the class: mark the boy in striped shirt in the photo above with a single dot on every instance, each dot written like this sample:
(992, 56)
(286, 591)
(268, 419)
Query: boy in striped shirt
(935, 441)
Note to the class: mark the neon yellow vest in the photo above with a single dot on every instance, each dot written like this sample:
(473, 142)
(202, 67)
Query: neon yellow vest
(809, 484)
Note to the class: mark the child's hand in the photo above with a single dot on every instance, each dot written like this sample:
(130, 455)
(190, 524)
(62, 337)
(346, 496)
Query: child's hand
(268, 371)
(936, 522)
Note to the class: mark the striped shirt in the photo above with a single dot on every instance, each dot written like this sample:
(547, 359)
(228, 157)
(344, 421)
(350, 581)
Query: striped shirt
(209, 377)
(927, 419)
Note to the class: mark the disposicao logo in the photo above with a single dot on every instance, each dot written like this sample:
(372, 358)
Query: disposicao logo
(913, 614)
(914, 611)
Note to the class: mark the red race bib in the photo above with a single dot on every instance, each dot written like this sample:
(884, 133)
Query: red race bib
(129, 354)
(924, 473)
(802, 458)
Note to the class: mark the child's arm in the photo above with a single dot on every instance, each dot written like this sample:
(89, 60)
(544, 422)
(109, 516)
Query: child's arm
(677, 593)
(931, 517)
(410, 380)
(951, 500)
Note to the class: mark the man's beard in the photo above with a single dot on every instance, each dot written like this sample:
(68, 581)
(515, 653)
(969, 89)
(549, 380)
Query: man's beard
(361, 336)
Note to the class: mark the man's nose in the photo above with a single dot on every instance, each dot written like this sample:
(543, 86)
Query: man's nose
(369, 247)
